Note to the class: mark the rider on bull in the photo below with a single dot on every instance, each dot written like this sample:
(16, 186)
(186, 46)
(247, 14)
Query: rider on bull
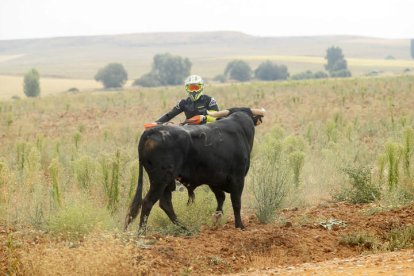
(195, 107)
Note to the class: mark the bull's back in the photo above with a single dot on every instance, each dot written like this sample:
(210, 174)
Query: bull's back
(222, 148)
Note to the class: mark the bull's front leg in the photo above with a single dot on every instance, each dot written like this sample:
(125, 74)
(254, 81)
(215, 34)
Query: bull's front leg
(236, 202)
(220, 197)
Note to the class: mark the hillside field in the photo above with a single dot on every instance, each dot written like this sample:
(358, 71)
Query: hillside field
(338, 151)
(209, 52)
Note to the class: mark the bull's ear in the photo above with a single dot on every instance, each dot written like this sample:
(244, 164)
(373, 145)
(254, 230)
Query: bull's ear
(257, 120)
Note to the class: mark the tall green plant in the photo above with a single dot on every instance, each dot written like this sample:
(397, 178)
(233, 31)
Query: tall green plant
(84, 170)
(296, 161)
(408, 149)
(21, 155)
(76, 139)
(54, 174)
(392, 153)
(111, 174)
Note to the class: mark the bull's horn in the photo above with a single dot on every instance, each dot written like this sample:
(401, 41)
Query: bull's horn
(219, 114)
(258, 112)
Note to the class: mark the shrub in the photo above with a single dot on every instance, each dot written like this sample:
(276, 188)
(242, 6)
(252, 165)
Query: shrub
(148, 80)
(73, 90)
(238, 70)
(362, 240)
(341, 74)
(269, 182)
(310, 75)
(269, 71)
(31, 84)
(362, 189)
(220, 78)
(112, 75)
(400, 238)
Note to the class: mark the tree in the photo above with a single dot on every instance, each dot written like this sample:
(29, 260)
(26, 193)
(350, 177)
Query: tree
(171, 70)
(412, 48)
(31, 83)
(112, 75)
(238, 70)
(166, 70)
(148, 80)
(269, 71)
(336, 62)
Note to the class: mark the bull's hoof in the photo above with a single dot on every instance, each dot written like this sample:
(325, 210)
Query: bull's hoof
(142, 231)
(240, 226)
(128, 220)
(216, 219)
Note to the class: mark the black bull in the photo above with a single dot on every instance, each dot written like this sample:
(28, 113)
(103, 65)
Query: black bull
(216, 154)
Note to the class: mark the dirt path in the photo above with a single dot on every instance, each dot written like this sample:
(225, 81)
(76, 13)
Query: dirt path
(305, 242)
(391, 263)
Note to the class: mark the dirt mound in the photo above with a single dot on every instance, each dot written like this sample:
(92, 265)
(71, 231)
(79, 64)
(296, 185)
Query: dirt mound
(302, 240)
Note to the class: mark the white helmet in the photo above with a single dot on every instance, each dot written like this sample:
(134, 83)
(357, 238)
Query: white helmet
(194, 85)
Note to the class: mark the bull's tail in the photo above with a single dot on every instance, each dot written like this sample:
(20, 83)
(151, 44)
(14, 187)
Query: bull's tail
(137, 202)
(191, 195)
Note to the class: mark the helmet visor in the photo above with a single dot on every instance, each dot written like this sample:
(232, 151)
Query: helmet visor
(194, 87)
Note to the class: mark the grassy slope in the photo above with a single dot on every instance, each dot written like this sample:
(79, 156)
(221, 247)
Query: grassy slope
(81, 57)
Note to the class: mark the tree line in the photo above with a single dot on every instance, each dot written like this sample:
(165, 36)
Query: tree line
(168, 69)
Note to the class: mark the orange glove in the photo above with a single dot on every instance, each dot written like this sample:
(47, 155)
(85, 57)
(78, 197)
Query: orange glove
(150, 125)
(196, 120)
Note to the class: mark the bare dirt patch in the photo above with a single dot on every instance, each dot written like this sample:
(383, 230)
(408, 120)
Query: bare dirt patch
(302, 242)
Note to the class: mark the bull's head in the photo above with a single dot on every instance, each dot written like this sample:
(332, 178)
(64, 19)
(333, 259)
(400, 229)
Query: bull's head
(257, 114)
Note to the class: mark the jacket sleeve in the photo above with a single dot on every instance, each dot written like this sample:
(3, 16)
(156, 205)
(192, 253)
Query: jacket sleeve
(212, 106)
(171, 114)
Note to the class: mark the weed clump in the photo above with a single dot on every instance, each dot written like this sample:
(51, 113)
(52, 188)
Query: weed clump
(77, 219)
(362, 189)
(363, 240)
(270, 181)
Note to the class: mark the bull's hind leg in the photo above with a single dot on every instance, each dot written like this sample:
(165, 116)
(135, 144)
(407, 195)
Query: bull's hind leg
(167, 207)
(150, 199)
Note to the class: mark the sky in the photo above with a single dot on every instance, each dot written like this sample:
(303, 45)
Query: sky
(59, 18)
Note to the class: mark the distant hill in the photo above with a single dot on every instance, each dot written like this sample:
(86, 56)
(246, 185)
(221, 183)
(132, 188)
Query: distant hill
(81, 57)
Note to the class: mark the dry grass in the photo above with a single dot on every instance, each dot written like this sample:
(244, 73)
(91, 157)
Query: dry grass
(113, 257)
(335, 123)
(13, 86)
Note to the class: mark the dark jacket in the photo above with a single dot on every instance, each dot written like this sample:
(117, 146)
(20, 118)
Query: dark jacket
(191, 108)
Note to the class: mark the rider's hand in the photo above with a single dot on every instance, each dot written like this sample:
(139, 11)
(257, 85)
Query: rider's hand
(196, 120)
